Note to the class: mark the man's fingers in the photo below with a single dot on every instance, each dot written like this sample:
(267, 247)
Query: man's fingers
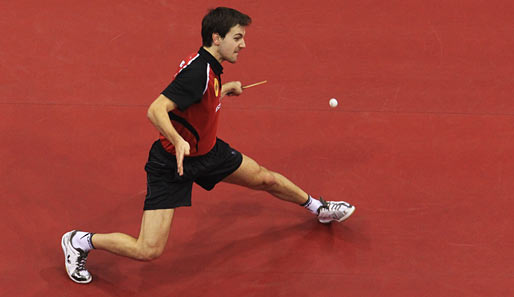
(180, 159)
(180, 168)
(180, 162)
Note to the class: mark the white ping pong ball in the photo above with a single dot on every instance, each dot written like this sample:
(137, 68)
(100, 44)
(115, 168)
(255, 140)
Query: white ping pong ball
(333, 102)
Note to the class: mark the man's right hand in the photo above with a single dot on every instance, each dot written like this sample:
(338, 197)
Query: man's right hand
(182, 149)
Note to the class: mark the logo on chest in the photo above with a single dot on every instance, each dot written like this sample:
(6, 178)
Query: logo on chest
(216, 87)
(217, 92)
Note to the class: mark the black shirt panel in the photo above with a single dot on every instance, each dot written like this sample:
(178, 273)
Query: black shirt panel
(216, 66)
(189, 85)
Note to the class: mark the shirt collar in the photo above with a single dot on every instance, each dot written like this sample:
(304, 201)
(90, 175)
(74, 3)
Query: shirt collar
(215, 65)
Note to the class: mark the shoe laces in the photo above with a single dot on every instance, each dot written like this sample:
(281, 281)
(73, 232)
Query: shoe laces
(332, 206)
(324, 204)
(81, 261)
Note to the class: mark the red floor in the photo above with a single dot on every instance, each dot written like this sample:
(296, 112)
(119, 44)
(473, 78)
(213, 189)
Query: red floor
(422, 143)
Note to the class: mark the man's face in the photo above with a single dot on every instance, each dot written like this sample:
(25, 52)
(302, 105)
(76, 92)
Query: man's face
(232, 43)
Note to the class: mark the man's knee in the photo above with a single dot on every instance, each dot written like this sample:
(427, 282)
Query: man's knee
(149, 253)
(266, 180)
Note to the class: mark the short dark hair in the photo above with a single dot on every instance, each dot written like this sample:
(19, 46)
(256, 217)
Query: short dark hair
(220, 20)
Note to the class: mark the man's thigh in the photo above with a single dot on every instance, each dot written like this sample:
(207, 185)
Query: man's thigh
(155, 227)
(250, 174)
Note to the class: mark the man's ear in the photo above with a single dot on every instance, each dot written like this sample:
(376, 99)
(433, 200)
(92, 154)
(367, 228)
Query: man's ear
(216, 39)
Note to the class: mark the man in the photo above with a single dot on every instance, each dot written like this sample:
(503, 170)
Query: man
(186, 115)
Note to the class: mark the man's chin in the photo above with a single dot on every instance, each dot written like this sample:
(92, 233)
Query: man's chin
(234, 58)
(231, 60)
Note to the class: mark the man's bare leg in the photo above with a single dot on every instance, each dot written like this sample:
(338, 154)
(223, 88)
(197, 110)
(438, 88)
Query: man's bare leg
(155, 228)
(253, 176)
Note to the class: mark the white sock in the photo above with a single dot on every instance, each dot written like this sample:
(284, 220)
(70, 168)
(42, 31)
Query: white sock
(312, 205)
(82, 240)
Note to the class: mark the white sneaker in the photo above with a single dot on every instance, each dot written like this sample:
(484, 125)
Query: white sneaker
(75, 260)
(334, 211)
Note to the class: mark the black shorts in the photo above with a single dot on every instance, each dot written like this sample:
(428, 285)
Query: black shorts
(166, 189)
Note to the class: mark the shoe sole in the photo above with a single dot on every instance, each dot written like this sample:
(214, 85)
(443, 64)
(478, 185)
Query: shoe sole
(350, 212)
(63, 245)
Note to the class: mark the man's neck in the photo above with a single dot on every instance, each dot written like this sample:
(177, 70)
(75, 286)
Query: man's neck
(212, 50)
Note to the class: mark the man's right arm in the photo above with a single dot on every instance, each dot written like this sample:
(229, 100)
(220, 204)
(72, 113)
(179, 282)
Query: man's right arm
(158, 115)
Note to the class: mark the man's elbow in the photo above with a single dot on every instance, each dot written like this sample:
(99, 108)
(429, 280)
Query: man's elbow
(159, 108)
(150, 113)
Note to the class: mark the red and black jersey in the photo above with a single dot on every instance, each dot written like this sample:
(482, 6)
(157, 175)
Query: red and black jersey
(196, 90)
